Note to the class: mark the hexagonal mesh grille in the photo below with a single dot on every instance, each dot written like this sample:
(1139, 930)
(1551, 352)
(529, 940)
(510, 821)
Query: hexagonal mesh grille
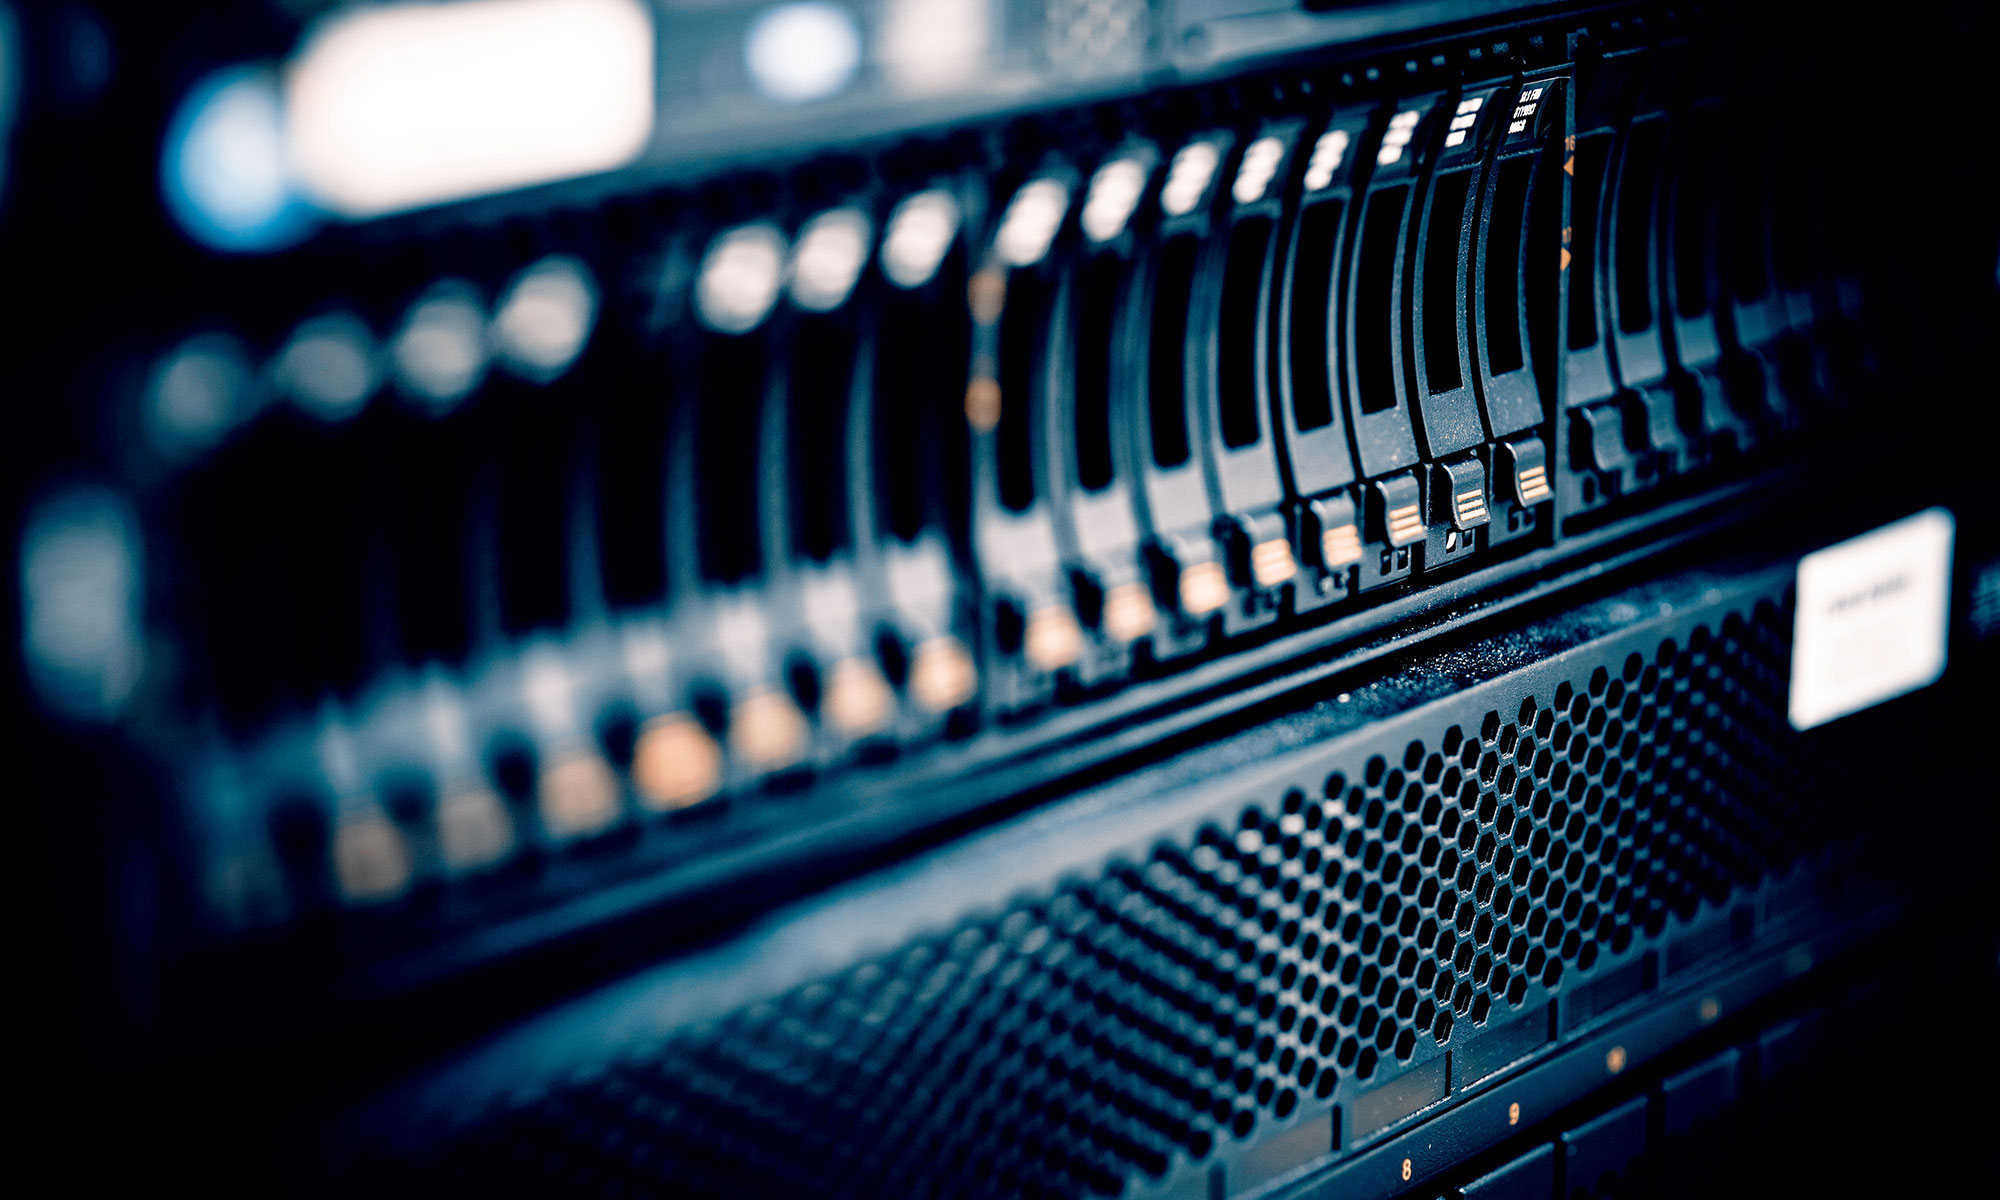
(1108, 1029)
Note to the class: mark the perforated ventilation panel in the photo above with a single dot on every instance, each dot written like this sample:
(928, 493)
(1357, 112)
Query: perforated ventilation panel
(1118, 1031)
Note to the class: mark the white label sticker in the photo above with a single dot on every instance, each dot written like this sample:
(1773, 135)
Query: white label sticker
(1871, 620)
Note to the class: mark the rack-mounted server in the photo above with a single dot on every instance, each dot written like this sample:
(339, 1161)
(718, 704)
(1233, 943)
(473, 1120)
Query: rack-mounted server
(454, 609)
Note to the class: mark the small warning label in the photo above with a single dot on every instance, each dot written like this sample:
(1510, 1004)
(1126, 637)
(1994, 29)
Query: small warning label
(1872, 620)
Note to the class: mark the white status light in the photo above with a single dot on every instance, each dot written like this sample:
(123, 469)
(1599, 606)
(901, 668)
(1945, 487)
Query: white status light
(1327, 154)
(198, 393)
(1033, 217)
(797, 53)
(1114, 193)
(1402, 127)
(545, 317)
(827, 261)
(328, 368)
(395, 106)
(1260, 163)
(440, 352)
(1187, 178)
(740, 277)
(918, 237)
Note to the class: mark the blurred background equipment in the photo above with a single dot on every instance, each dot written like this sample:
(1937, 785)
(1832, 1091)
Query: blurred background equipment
(1023, 597)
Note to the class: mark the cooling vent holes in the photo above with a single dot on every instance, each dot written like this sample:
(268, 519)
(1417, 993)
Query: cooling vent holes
(1330, 934)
